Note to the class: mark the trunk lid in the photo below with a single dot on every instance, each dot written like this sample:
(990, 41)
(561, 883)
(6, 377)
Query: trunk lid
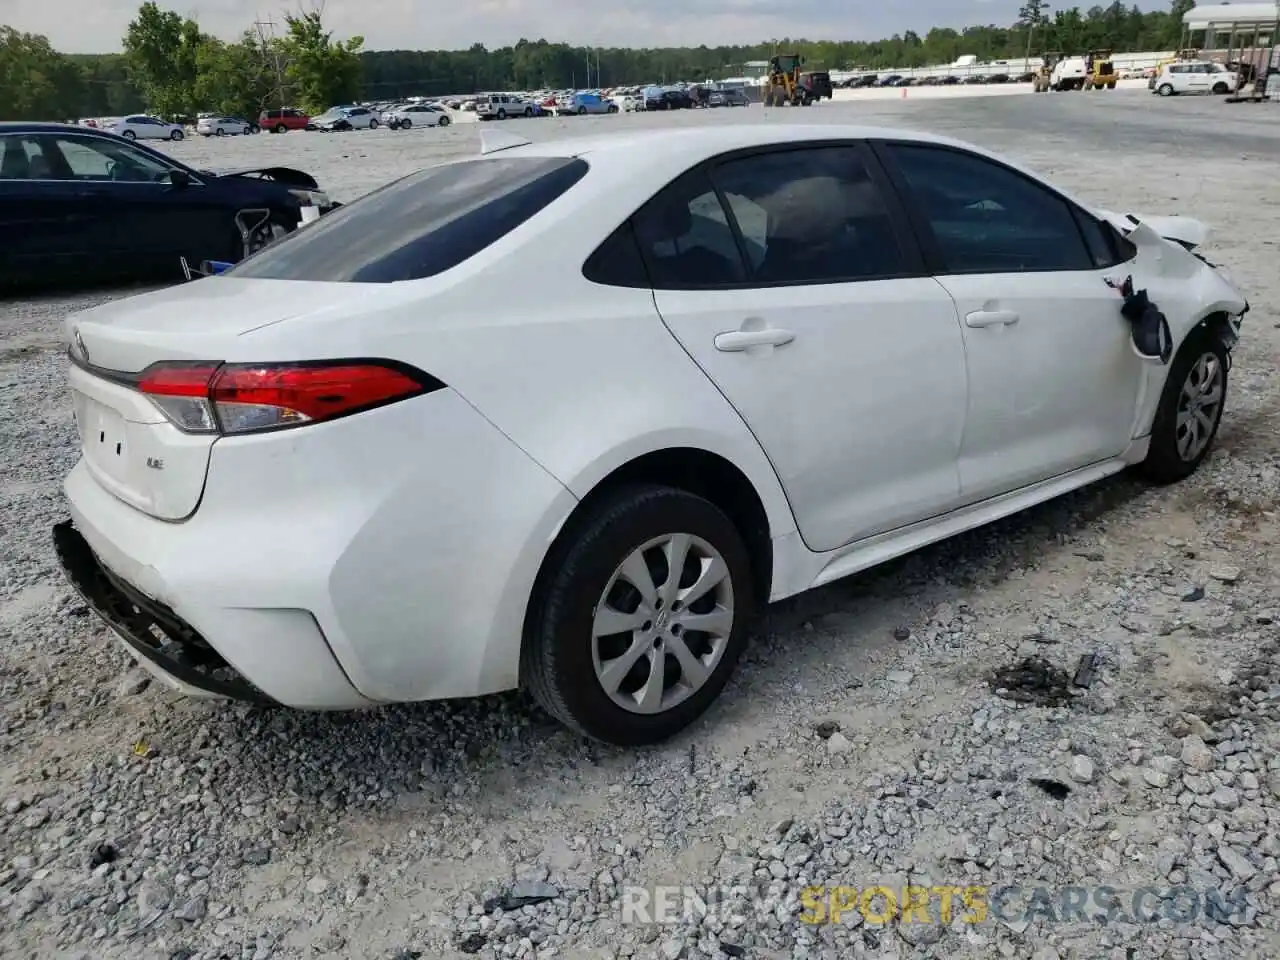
(128, 445)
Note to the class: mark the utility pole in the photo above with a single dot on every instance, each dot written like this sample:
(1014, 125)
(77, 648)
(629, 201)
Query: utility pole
(266, 30)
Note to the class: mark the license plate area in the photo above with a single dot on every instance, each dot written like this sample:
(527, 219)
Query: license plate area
(103, 437)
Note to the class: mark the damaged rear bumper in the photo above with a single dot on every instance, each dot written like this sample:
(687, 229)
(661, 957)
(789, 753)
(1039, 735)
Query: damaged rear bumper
(165, 643)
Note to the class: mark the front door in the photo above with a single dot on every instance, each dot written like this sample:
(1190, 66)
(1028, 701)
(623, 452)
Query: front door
(1053, 382)
(50, 231)
(151, 218)
(804, 303)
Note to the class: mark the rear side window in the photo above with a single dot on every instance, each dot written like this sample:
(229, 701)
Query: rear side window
(418, 226)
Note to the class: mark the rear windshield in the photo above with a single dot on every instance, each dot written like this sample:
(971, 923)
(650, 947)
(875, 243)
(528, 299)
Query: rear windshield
(418, 226)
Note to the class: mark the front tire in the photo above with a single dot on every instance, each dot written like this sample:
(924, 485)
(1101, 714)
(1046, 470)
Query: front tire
(1165, 90)
(1190, 411)
(444, 121)
(618, 648)
(219, 132)
(129, 135)
(1220, 89)
(176, 136)
(373, 124)
(281, 128)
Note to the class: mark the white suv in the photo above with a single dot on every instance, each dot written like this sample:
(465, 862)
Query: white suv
(1197, 76)
(499, 106)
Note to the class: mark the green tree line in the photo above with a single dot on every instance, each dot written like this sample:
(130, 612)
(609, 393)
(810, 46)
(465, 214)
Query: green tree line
(171, 67)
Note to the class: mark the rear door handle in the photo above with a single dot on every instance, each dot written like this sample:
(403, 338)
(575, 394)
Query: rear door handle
(991, 318)
(740, 340)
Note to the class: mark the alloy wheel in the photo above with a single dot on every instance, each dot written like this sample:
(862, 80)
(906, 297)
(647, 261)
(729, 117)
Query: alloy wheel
(1199, 406)
(662, 623)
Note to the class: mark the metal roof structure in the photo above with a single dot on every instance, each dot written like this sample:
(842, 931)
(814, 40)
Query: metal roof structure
(1226, 15)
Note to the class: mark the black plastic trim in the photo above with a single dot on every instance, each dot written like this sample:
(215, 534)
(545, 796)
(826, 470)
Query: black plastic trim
(135, 617)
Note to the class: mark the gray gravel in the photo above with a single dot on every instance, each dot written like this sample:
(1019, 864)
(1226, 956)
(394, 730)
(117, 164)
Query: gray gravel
(862, 742)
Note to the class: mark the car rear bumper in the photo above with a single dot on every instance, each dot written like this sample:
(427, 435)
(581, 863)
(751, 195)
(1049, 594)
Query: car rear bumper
(379, 558)
(161, 640)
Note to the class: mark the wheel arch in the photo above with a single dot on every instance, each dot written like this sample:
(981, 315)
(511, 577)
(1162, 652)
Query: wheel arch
(1215, 322)
(695, 470)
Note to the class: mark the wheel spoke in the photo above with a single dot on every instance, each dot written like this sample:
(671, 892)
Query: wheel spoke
(650, 699)
(712, 574)
(677, 551)
(693, 669)
(636, 572)
(616, 670)
(718, 622)
(610, 621)
(1205, 422)
(1212, 397)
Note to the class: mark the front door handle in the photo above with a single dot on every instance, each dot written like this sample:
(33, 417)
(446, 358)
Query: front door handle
(991, 318)
(740, 340)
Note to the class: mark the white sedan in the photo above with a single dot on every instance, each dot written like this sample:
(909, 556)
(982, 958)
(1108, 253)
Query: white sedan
(217, 126)
(353, 471)
(140, 127)
(409, 115)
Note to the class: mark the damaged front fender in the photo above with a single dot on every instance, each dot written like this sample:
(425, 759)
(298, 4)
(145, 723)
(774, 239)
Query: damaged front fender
(1187, 231)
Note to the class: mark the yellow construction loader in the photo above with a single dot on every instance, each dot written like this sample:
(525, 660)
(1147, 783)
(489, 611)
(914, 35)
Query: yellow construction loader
(1100, 72)
(1043, 77)
(784, 87)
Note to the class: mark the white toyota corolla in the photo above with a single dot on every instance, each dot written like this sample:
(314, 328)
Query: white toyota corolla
(564, 415)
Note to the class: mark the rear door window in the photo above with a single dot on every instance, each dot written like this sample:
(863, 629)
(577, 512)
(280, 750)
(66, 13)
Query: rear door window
(418, 226)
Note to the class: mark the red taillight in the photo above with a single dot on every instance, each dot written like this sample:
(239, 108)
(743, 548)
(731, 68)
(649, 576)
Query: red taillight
(246, 398)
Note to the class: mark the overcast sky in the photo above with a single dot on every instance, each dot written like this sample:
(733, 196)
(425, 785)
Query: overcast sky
(96, 26)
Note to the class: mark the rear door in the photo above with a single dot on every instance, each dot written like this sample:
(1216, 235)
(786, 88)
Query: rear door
(804, 301)
(1054, 384)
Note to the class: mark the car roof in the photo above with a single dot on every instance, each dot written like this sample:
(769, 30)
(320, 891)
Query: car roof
(23, 126)
(639, 162)
(692, 145)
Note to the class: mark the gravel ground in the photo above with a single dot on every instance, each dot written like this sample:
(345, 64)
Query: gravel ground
(860, 744)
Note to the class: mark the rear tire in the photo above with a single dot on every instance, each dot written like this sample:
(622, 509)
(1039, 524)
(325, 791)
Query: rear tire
(1190, 410)
(444, 121)
(281, 128)
(129, 135)
(1220, 88)
(567, 650)
(219, 133)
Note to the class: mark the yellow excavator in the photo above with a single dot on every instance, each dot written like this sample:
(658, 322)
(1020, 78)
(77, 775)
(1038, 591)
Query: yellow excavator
(784, 81)
(1100, 72)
